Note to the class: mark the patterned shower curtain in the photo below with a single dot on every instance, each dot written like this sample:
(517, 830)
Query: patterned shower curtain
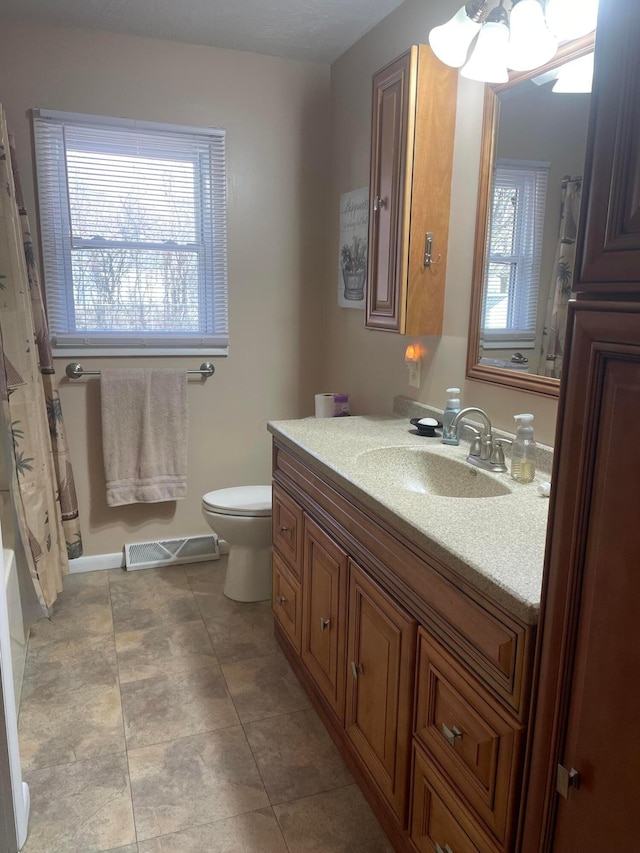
(555, 326)
(43, 488)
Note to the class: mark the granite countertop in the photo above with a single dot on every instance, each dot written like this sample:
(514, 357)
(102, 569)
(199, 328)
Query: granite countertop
(495, 543)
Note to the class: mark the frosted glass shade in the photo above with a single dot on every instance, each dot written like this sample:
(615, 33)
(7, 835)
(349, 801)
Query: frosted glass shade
(488, 62)
(570, 19)
(575, 77)
(530, 44)
(450, 42)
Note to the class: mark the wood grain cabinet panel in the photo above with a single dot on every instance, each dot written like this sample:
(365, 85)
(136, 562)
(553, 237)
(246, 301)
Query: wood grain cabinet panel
(413, 123)
(437, 826)
(286, 600)
(608, 249)
(324, 622)
(380, 655)
(472, 739)
(287, 529)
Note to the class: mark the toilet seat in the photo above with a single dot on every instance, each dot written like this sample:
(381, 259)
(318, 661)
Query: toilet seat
(250, 501)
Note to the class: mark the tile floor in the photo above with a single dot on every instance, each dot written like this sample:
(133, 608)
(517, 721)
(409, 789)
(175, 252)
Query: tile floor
(160, 717)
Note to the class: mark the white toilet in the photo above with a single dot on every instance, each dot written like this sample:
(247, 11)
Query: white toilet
(242, 517)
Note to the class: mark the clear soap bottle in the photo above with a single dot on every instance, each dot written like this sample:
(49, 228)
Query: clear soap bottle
(451, 409)
(523, 451)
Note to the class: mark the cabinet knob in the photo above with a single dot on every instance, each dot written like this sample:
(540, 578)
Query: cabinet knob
(324, 624)
(281, 599)
(283, 528)
(356, 668)
(445, 849)
(379, 203)
(451, 735)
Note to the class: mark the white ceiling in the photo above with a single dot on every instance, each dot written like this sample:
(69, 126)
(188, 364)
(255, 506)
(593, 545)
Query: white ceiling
(316, 30)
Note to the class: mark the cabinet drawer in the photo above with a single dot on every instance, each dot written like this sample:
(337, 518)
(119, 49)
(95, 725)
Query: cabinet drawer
(437, 825)
(473, 740)
(287, 529)
(286, 601)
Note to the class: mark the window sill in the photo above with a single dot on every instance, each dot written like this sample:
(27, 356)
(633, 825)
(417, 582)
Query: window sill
(132, 352)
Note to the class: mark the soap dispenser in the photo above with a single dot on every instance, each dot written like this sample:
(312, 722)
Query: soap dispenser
(451, 409)
(523, 450)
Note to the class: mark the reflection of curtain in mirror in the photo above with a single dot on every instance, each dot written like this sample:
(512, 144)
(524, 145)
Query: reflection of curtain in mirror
(555, 325)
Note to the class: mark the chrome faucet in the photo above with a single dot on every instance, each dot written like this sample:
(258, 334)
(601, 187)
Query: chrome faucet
(486, 452)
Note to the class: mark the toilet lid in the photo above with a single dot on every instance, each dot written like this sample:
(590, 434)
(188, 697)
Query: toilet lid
(240, 500)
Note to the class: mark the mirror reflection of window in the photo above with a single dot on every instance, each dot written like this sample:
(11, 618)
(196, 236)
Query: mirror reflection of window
(512, 273)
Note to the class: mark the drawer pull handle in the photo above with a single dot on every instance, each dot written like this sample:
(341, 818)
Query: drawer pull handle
(451, 735)
(445, 849)
(356, 668)
(283, 528)
(324, 624)
(281, 599)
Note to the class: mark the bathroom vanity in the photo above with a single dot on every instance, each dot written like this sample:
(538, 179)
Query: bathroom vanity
(405, 589)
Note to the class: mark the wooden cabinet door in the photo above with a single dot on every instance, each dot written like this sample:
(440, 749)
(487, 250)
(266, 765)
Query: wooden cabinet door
(413, 127)
(380, 657)
(324, 613)
(387, 261)
(588, 710)
(610, 227)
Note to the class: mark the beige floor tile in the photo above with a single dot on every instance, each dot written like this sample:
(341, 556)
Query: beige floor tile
(130, 848)
(244, 633)
(81, 808)
(264, 687)
(163, 649)
(295, 756)
(138, 604)
(176, 705)
(82, 609)
(70, 726)
(334, 822)
(255, 832)
(191, 781)
(69, 664)
(171, 577)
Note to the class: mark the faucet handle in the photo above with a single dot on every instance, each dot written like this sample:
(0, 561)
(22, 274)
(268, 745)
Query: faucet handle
(497, 453)
(476, 441)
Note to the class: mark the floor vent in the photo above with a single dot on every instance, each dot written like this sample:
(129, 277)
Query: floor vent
(170, 552)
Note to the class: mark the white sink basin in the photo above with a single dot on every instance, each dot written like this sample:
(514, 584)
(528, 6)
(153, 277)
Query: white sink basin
(429, 473)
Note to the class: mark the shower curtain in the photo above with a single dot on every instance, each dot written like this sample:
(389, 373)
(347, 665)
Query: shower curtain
(41, 475)
(553, 337)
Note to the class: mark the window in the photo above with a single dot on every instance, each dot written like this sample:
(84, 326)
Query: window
(512, 273)
(133, 227)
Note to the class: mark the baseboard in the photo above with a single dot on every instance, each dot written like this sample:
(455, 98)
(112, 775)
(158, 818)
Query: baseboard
(100, 562)
(96, 563)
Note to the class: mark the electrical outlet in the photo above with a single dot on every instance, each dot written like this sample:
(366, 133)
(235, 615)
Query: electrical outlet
(414, 373)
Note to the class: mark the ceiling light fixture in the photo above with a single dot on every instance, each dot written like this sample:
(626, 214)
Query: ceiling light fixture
(522, 39)
(488, 62)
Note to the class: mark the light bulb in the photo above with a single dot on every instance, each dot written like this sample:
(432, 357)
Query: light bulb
(570, 19)
(450, 42)
(488, 63)
(531, 44)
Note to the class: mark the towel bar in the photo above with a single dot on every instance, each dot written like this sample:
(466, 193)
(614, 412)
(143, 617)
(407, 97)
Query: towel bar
(75, 371)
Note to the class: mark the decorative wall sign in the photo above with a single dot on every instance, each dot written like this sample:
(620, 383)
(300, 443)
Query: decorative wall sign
(352, 261)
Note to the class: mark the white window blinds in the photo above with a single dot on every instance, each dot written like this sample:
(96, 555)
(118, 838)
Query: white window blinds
(512, 272)
(133, 229)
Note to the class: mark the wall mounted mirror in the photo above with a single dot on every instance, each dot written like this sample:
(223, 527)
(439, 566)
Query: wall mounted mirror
(531, 167)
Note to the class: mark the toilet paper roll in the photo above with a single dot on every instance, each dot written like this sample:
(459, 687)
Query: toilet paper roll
(324, 405)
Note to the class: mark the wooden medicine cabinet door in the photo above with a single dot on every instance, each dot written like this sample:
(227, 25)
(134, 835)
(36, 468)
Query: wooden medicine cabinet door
(413, 125)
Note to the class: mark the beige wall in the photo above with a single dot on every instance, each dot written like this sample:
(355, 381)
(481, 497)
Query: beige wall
(370, 364)
(276, 115)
